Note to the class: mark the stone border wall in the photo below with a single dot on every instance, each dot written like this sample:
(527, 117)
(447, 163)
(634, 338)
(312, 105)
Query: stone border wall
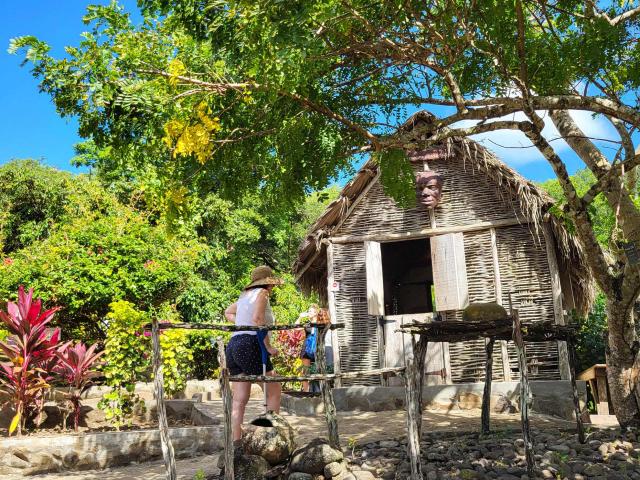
(35, 454)
(551, 397)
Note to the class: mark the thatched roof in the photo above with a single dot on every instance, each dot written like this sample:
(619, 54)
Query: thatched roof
(310, 266)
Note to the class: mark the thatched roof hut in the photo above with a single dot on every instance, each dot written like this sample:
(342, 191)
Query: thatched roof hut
(505, 228)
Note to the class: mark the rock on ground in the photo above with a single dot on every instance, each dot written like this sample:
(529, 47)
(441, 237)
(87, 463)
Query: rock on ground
(269, 436)
(313, 457)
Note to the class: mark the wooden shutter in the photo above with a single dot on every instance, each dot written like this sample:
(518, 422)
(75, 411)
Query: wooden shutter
(375, 284)
(449, 272)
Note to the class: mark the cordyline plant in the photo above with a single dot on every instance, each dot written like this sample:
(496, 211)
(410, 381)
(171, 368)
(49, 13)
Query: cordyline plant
(76, 365)
(29, 349)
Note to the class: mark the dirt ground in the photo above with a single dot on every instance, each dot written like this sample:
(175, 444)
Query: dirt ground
(364, 427)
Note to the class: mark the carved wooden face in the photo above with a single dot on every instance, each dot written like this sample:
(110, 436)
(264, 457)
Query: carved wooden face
(429, 188)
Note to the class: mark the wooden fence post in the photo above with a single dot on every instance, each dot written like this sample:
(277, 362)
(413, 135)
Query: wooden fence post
(413, 392)
(486, 396)
(576, 400)
(524, 394)
(325, 389)
(225, 391)
(163, 424)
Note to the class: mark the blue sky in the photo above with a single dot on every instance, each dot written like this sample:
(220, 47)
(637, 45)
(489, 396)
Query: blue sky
(31, 128)
(29, 124)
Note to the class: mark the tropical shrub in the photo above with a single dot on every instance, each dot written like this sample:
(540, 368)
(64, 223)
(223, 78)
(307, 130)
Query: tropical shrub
(204, 349)
(591, 341)
(289, 344)
(76, 367)
(30, 350)
(126, 360)
(177, 358)
(97, 259)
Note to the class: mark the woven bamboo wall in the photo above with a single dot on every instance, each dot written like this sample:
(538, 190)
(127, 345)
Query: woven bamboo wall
(359, 339)
(524, 270)
(468, 197)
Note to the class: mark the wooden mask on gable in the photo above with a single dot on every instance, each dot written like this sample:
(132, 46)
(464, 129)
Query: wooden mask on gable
(429, 188)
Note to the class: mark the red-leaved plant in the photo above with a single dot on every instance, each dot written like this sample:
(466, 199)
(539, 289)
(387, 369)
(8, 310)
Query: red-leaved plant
(76, 366)
(28, 350)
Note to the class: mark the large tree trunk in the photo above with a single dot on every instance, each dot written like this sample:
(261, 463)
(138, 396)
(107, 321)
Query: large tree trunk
(623, 364)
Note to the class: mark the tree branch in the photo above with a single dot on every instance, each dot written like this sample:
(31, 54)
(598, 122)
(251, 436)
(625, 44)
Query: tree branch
(594, 12)
(223, 87)
(594, 254)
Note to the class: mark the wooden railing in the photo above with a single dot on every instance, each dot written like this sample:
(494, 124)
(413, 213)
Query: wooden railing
(225, 379)
(421, 334)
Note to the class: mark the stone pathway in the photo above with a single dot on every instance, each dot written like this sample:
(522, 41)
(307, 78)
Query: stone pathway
(363, 427)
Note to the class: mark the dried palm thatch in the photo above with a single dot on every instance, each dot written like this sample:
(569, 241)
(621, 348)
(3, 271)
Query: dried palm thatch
(310, 267)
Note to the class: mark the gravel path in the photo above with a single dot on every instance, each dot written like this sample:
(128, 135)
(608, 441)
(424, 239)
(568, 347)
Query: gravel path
(365, 428)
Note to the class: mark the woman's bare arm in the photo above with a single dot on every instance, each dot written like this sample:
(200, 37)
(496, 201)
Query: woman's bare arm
(261, 306)
(230, 312)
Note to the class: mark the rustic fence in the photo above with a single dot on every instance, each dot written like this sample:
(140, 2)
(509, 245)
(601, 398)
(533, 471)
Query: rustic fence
(509, 328)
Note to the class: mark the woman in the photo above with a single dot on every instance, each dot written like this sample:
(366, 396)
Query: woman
(319, 316)
(308, 355)
(244, 350)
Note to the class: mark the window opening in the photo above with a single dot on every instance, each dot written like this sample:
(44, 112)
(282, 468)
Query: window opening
(407, 277)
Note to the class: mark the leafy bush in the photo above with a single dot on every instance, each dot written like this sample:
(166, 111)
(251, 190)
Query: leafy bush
(76, 365)
(93, 261)
(126, 360)
(30, 347)
(128, 354)
(288, 362)
(177, 358)
(591, 343)
(203, 347)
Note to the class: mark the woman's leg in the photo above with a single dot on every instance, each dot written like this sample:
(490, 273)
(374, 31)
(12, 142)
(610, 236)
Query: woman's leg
(274, 392)
(241, 392)
(306, 363)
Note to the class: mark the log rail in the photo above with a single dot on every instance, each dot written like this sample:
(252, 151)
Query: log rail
(225, 379)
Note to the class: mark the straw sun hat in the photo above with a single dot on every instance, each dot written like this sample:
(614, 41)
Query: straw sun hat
(263, 276)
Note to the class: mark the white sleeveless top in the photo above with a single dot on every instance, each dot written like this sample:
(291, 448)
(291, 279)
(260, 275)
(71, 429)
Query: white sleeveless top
(246, 306)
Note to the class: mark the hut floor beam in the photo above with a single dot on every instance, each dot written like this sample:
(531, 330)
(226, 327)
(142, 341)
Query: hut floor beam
(486, 396)
(225, 390)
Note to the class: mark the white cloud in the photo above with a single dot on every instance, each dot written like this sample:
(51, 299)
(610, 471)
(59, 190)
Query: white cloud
(514, 147)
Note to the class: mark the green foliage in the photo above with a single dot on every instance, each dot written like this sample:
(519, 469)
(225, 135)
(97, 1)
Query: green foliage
(288, 303)
(397, 177)
(34, 199)
(177, 357)
(199, 475)
(96, 252)
(600, 212)
(591, 342)
(126, 360)
(202, 345)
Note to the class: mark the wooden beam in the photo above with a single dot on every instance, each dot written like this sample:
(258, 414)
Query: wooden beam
(524, 396)
(227, 402)
(241, 328)
(574, 388)
(326, 391)
(556, 289)
(427, 232)
(163, 424)
(497, 280)
(333, 314)
(318, 377)
(486, 396)
(414, 411)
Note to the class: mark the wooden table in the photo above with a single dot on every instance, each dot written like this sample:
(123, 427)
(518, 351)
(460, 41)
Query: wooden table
(597, 378)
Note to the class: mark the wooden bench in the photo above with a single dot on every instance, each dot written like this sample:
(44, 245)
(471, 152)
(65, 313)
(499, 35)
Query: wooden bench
(596, 376)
